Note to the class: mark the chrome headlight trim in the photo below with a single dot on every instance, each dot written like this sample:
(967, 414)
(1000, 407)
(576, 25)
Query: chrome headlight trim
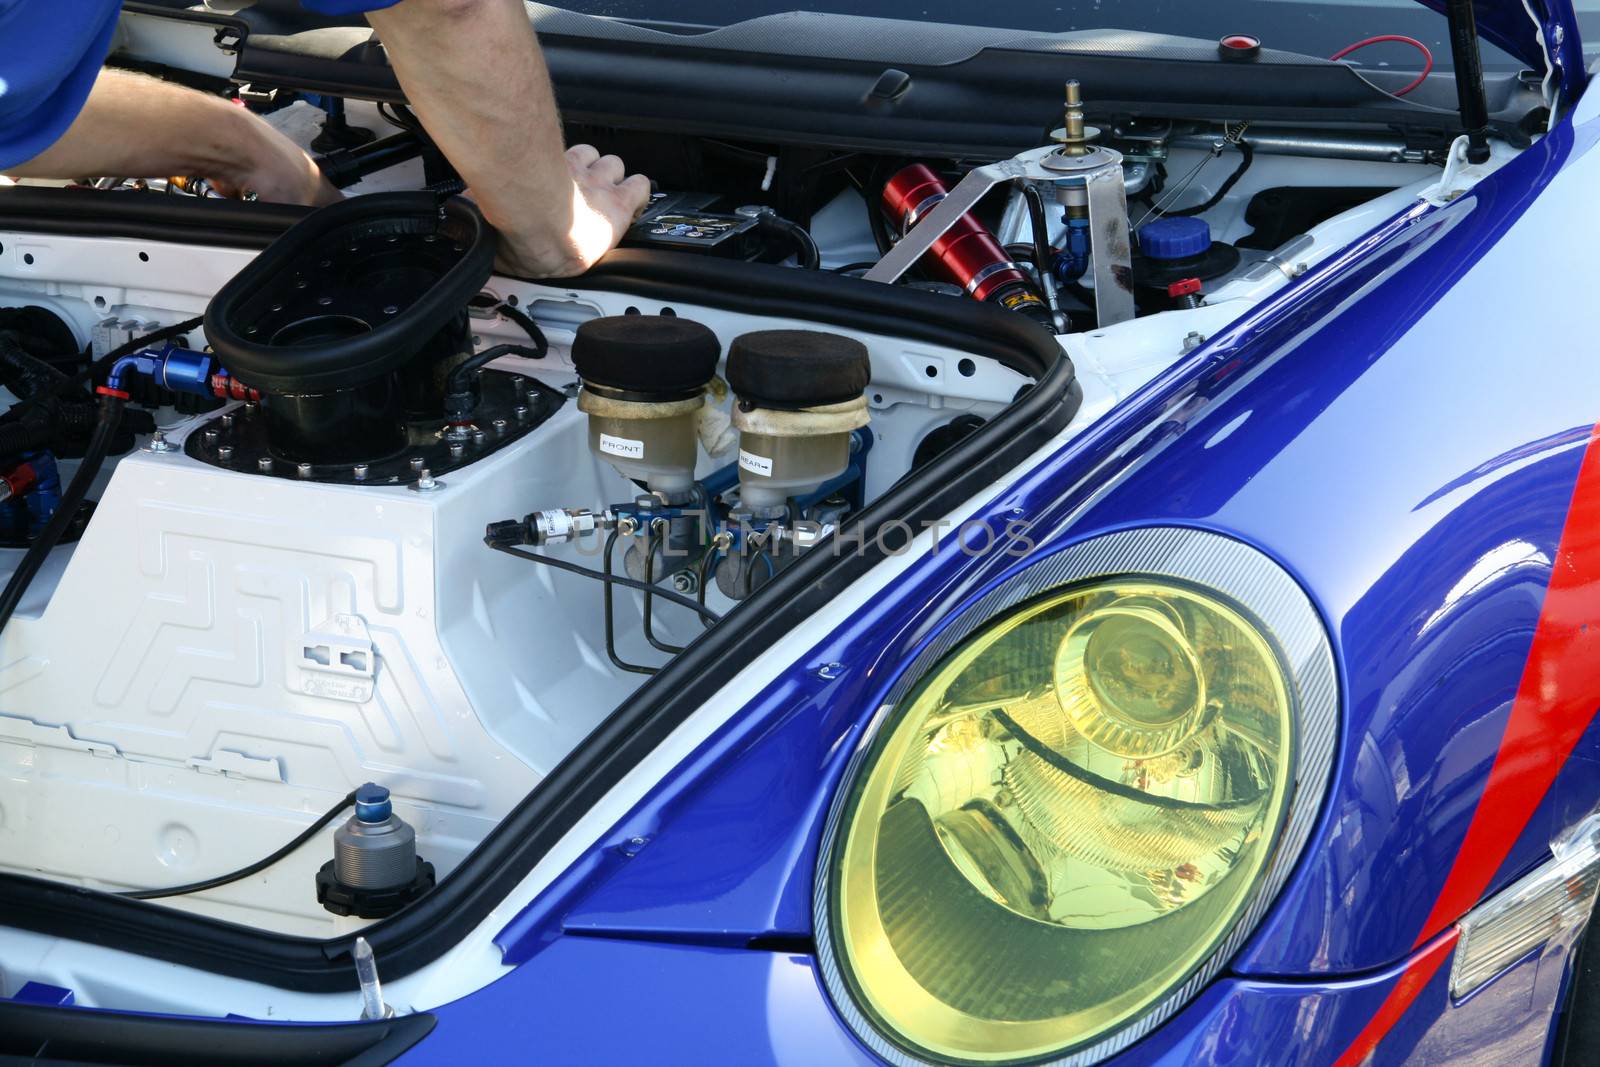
(1209, 560)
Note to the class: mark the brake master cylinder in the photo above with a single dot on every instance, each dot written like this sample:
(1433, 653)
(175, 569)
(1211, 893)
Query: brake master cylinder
(375, 870)
(644, 380)
(800, 395)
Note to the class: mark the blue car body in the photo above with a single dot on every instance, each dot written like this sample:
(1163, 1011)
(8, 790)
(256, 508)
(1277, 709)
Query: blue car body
(1409, 431)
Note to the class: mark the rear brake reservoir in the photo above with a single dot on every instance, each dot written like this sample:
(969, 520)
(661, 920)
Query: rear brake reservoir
(968, 254)
(644, 380)
(800, 395)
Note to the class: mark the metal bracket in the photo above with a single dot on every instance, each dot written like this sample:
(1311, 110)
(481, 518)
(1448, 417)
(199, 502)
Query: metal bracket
(1097, 172)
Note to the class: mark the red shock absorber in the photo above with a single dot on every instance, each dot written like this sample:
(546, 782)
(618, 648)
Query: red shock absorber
(968, 254)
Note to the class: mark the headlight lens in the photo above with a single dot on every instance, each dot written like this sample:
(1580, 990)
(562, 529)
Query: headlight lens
(1061, 821)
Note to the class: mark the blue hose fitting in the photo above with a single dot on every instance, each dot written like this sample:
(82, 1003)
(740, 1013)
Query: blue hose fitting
(1072, 261)
(173, 368)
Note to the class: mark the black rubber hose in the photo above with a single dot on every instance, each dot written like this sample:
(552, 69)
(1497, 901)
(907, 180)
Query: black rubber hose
(255, 868)
(105, 430)
(805, 247)
(1247, 156)
(460, 393)
(103, 364)
(22, 372)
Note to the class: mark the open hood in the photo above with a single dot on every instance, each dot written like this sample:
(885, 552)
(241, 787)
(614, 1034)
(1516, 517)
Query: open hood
(1541, 33)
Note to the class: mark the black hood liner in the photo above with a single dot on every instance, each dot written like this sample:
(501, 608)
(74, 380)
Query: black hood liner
(806, 78)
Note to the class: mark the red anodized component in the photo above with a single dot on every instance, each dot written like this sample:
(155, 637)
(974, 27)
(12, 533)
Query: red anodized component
(968, 255)
(1186, 287)
(227, 387)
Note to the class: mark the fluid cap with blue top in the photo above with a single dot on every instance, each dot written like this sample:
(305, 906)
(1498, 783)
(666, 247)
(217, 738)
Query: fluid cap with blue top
(1177, 249)
(375, 870)
(1175, 238)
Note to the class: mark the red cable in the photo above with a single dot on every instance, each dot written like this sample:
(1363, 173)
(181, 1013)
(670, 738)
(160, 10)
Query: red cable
(1397, 39)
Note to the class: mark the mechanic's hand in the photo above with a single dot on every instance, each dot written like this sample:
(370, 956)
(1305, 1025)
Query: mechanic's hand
(275, 169)
(605, 202)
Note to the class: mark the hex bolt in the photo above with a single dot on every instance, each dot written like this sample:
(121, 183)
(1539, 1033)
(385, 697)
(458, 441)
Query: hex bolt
(499, 425)
(417, 463)
(360, 470)
(251, 407)
(303, 470)
(426, 482)
(522, 413)
(686, 582)
(225, 453)
(518, 382)
(264, 464)
(531, 396)
(211, 437)
(227, 422)
(457, 450)
(479, 439)
(159, 442)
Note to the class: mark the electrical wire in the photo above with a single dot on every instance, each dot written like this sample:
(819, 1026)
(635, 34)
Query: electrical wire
(255, 868)
(1427, 55)
(529, 327)
(1247, 156)
(100, 366)
(617, 580)
(66, 513)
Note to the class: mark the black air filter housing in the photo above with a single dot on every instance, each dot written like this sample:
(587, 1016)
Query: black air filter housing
(653, 358)
(794, 369)
(343, 322)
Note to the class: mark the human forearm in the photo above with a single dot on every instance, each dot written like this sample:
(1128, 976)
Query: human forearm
(139, 127)
(473, 72)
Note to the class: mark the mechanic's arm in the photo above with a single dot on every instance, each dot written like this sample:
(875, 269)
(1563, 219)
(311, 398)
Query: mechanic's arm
(139, 127)
(473, 72)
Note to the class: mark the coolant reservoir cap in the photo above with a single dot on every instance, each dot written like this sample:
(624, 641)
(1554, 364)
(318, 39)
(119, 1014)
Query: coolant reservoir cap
(1175, 238)
(659, 357)
(789, 369)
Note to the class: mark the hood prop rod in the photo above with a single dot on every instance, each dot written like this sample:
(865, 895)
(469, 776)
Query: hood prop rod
(1468, 64)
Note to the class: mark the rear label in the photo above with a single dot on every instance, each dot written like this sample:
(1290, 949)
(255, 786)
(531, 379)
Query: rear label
(755, 464)
(621, 447)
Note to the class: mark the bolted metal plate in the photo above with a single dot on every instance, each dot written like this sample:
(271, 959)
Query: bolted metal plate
(511, 407)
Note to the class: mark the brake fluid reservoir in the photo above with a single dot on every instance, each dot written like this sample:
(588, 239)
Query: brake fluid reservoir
(800, 395)
(644, 380)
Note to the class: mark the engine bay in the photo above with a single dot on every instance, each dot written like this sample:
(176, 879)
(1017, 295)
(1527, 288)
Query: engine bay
(377, 523)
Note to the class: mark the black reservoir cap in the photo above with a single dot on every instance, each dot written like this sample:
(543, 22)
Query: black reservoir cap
(658, 357)
(788, 369)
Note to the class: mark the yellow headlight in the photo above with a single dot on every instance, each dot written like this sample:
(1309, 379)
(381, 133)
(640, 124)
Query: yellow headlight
(1062, 821)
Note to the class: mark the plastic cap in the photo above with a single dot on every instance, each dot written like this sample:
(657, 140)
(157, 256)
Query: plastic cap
(372, 803)
(1175, 238)
(1186, 287)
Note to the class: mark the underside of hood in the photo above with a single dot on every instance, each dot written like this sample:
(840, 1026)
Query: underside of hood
(1541, 33)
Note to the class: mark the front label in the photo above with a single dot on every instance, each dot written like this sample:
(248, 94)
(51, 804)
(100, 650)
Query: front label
(621, 447)
(755, 464)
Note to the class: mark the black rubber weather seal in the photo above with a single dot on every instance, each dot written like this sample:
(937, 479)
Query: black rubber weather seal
(420, 934)
(37, 1035)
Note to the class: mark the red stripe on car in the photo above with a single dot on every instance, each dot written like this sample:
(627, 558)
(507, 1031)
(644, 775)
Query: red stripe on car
(1556, 702)
(1419, 970)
